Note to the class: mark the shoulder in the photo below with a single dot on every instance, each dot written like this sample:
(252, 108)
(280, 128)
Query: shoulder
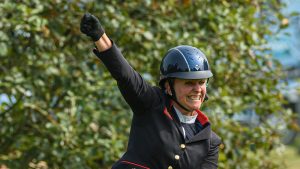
(215, 140)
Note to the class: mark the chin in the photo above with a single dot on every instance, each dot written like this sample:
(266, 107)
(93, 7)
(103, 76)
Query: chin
(195, 107)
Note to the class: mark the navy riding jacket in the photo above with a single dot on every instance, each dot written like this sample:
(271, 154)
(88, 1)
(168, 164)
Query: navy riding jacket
(156, 139)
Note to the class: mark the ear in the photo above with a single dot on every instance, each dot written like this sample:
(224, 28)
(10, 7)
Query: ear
(167, 88)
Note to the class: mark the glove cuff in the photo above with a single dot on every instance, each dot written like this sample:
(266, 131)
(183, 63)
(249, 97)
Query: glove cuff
(98, 34)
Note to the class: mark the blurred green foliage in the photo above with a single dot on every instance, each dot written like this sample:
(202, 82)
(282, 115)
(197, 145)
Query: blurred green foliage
(61, 109)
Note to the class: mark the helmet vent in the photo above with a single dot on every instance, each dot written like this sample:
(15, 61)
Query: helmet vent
(184, 59)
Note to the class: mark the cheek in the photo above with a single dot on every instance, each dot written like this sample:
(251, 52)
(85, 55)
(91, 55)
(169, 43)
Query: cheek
(181, 93)
(203, 91)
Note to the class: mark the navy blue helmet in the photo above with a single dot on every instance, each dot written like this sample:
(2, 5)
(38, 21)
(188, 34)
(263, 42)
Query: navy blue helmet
(184, 62)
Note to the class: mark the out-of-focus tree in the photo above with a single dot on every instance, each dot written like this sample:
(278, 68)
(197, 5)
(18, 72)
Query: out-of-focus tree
(61, 109)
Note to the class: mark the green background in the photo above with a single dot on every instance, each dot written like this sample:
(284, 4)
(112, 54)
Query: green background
(60, 107)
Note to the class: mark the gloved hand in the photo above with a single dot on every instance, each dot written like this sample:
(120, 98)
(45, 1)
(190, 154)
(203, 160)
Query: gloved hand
(91, 26)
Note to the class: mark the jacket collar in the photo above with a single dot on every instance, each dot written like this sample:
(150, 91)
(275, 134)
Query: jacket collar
(202, 118)
(202, 135)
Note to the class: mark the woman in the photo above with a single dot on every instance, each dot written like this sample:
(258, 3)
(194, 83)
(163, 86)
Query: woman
(168, 130)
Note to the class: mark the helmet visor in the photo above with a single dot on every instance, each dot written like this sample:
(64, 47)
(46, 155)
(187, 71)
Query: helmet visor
(190, 75)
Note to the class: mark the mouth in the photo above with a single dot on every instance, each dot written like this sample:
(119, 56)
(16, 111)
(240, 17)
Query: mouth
(195, 97)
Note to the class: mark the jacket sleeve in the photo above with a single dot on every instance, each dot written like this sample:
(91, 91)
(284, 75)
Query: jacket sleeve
(211, 161)
(136, 91)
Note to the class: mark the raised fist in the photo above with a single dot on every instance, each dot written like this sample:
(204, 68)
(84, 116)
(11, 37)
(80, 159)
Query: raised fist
(91, 26)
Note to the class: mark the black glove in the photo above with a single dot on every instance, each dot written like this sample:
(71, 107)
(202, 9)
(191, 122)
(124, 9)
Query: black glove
(91, 26)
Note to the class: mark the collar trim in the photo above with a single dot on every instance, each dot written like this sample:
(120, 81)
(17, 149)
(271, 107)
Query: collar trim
(202, 118)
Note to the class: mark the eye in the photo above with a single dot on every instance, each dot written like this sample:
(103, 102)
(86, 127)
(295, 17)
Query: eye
(189, 83)
(192, 83)
(202, 82)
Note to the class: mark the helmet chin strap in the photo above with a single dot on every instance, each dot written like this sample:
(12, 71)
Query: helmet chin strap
(173, 95)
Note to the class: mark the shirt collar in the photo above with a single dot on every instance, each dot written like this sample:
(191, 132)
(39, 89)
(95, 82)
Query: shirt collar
(184, 118)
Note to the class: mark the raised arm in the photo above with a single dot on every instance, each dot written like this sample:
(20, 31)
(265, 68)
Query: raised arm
(136, 91)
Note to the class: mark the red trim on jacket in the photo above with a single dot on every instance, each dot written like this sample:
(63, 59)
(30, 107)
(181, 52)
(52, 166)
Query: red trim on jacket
(167, 113)
(128, 162)
(202, 118)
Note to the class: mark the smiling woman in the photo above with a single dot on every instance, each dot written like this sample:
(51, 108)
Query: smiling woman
(167, 119)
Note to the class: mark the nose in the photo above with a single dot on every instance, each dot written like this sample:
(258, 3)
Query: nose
(197, 87)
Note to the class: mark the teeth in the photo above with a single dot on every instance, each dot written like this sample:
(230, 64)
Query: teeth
(194, 97)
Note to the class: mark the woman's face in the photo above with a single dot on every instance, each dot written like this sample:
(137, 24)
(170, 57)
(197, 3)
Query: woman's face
(189, 93)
